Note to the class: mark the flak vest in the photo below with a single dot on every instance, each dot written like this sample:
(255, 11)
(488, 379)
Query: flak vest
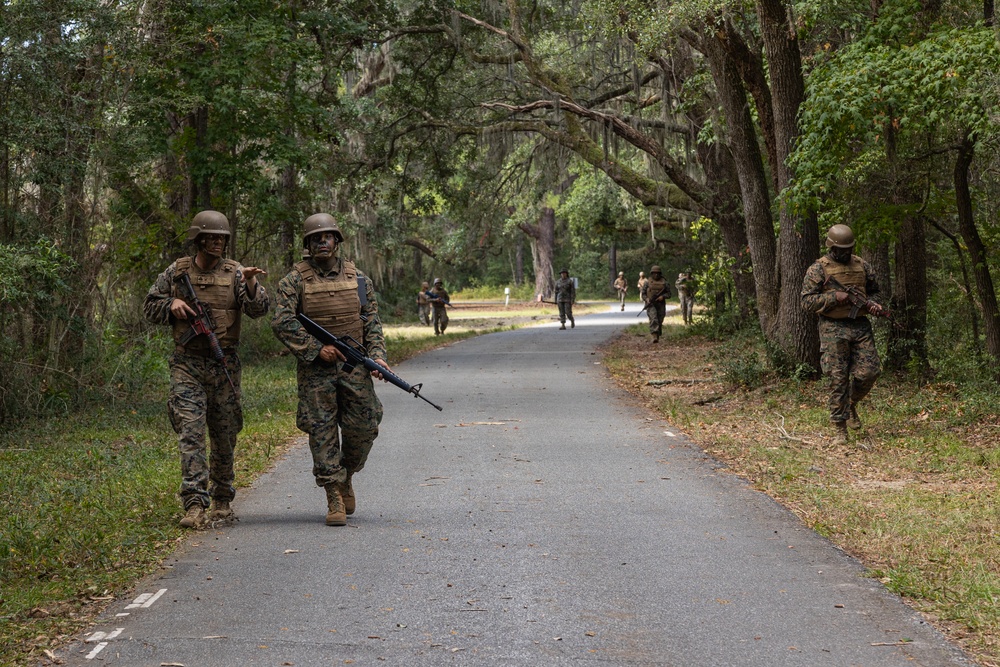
(216, 290)
(654, 287)
(333, 303)
(851, 274)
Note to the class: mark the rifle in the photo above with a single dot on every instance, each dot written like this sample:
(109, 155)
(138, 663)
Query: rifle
(437, 299)
(542, 300)
(351, 349)
(859, 301)
(202, 324)
(663, 292)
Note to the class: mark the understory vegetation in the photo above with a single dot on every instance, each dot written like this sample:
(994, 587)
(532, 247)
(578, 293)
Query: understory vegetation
(913, 495)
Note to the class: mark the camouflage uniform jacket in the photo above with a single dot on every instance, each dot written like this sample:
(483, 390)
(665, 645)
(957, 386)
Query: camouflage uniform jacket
(439, 297)
(565, 291)
(819, 298)
(287, 301)
(156, 306)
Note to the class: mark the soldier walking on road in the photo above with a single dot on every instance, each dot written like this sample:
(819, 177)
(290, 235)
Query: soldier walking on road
(424, 304)
(847, 345)
(655, 292)
(339, 410)
(642, 282)
(622, 286)
(439, 300)
(202, 396)
(685, 292)
(565, 298)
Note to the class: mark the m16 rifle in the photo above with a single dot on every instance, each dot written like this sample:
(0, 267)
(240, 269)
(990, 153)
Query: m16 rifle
(436, 299)
(352, 350)
(663, 292)
(859, 301)
(202, 324)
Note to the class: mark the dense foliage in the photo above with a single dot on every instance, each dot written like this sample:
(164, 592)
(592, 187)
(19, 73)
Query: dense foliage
(491, 144)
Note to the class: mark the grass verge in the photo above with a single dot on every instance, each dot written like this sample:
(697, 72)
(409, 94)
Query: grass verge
(913, 495)
(89, 502)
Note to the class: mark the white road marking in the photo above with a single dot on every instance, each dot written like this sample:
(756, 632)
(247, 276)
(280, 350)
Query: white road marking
(97, 649)
(146, 599)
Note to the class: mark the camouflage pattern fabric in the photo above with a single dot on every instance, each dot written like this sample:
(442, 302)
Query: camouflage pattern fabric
(341, 414)
(338, 410)
(201, 399)
(847, 347)
(848, 356)
(656, 312)
(440, 317)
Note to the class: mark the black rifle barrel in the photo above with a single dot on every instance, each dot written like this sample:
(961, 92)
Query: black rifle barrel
(357, 358)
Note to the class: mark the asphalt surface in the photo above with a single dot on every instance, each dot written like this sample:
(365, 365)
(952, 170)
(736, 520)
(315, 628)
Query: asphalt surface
(540, 519)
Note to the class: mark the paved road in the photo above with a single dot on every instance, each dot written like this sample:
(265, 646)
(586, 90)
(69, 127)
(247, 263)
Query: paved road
(541, 519)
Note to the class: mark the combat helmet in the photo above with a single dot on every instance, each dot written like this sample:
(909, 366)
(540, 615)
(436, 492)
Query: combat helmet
(562, 271)
(208, 222)
(621, 273)
(321, 222)
(438, 281)
(840, 236)
(655, 269)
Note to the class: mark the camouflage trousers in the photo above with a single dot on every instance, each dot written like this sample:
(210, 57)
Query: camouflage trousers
(687, 307)
(341, 414)
(621, 297)
(656, 312)
(848, 356)
(440, 319)
(201, 399)
(424, 313)
(566, 311)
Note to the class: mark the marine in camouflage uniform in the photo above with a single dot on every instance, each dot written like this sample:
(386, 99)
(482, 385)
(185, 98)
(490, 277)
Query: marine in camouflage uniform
(685, 292)
(200, 394)
(654, 292)
(565, 298)
(439, 302)
(339, 410)
(847, 345)
(424, 304)
(621, 285)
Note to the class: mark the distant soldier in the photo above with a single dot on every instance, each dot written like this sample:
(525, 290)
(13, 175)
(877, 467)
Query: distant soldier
(565, 298)
(338, 409)
(642, 282)
(424, 304)
(622, 286)
(201, 395)
(655, 292)
(439, 300)
(847, 346)
(685, 292)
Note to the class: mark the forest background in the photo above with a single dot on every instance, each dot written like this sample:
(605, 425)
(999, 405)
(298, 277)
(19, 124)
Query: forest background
(490, 144)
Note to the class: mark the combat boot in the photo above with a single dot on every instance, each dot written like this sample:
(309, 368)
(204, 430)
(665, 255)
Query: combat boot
(194, 517)
(335, 514)
(854, 421)
(623, 307)
(563, 327)
(347, 494)
(840, 433)
(220, 510)
(572, 323)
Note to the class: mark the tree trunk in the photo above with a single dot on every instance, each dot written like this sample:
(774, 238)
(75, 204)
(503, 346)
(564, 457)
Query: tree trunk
(542, 248)
(758, 238)
(908, 345)
(519, 261)
(798, 237)
(612, 265)
(977, 250)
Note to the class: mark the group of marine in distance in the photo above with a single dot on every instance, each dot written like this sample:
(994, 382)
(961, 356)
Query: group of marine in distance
(203, 296)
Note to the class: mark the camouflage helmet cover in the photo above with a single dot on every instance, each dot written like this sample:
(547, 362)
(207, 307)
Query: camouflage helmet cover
(655, 269)
(840, 236)
(438, 281)
(208, 222)
(321, 222)
(562, 271)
